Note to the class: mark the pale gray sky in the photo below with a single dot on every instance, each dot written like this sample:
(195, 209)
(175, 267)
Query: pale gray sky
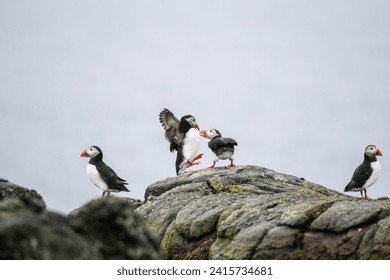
(302, 86)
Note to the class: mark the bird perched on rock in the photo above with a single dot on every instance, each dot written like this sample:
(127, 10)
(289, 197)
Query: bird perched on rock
(100, 174)
(367, 172)
(222, 147)
(184, 137)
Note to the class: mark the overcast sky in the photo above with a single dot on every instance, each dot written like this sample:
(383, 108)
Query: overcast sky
(302, 86)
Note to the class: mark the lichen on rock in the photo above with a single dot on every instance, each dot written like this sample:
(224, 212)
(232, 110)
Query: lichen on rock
(250, 212)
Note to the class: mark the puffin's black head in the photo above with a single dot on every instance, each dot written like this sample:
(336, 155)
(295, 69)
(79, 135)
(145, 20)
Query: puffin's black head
(372, 151)
(92, 152)
(210, 133)
(187, 122)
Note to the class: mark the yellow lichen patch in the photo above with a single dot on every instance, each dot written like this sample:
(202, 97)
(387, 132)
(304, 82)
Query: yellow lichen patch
(232, 189)
(241, 188)
(306, 191)
(218, 187)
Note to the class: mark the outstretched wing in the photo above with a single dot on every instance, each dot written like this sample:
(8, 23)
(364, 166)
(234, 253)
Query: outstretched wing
(222, 142)
(171, 126)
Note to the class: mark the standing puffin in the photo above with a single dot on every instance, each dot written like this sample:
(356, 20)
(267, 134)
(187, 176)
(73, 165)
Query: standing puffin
(100, 174)
(222, 147)
(184, 138)
(367, 172)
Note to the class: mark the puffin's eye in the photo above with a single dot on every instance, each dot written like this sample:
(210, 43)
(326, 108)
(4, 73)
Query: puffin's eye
(90, 149)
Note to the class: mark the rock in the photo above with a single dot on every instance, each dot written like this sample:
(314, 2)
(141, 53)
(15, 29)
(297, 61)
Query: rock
(102, 229)
(243, 244)
(116, 230)
(249, 212)
(242, 212)
(347, 214)
(46, 236)
(303, 213)
(376, 243)
(29, 231)
(30, 198)
(278, 243)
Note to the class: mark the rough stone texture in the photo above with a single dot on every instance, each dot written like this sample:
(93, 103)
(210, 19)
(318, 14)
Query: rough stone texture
(30, 198)
(243, 212)
(103, 229)
(249, 212)
(42, 236)
(115, 230)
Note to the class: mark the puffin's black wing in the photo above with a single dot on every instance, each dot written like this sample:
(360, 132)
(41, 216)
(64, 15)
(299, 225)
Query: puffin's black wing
(109, 176)
(221, 142)
(360, 176)
(171, 127)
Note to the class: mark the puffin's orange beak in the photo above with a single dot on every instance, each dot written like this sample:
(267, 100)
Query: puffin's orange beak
(84, 153)
(203, 133)
(379, 152)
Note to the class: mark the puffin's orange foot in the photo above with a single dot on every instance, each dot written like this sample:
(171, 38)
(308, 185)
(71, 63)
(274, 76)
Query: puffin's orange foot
(198, 157)
(231, 165)
(193, 163)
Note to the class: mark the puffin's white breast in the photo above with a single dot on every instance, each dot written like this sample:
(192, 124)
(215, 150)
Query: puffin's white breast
(95, 178)
(376, 169)
(191, 144)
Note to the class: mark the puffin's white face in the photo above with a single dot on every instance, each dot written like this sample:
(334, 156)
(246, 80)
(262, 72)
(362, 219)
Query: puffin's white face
(90, 152)
(211, 133)
(191, 120)
(372, 151)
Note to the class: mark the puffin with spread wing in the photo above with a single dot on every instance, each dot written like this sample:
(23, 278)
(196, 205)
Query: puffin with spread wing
(183, 137)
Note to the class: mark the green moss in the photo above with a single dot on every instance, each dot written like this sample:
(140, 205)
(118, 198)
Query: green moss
(218, 187)
(241, 188)
(172, 240)
(205, 190)
(306, 191)
(282, 202)
(232, 189)
(228, 255)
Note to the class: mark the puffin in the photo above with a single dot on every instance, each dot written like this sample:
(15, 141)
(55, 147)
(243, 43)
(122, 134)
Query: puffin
(183, 137)
(222, 147)
(366, 173)
(100, 174)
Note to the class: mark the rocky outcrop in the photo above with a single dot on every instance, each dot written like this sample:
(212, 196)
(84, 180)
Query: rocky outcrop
(249, 212)
(115, 230)
(243, 212)
(102, 229)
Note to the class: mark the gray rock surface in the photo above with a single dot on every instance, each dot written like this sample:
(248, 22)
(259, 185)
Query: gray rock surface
(115, 230)
(249, 212)
(102, 229)
(242, 212)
